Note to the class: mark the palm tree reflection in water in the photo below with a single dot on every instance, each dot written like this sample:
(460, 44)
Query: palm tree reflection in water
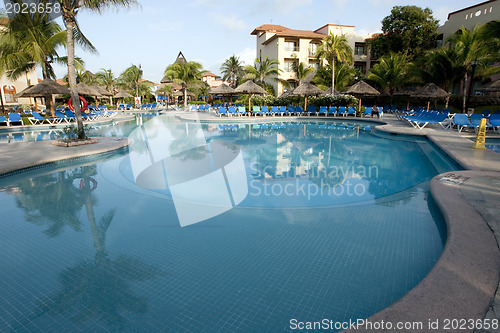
(93, 290)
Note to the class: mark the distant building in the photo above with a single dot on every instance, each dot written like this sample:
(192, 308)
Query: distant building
(469, 17)
(212, 80)
(286, 45)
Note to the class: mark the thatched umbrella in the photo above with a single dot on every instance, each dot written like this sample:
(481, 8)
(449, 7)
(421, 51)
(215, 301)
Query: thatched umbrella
(306, 89)
(102, 92)
(490, 87)
(249, 87)
(45, 88)
(287, 93)
(429, 91)
(408, 91)
(223, 90)
(329, 92)
(361, 89)
(122, 94)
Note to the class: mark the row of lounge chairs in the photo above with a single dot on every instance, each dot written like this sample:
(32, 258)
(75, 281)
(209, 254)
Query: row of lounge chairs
(445, 120)
(281, 126)
(14, 118)
(461, 121)
(292, 111)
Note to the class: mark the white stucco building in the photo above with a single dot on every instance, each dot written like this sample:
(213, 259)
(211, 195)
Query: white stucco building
(286, 45)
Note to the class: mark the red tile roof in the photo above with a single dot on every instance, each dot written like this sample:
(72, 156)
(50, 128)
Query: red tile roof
(281, 31)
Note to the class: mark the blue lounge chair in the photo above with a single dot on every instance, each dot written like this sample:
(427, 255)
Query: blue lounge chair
(242, 111)
(265, 110)
(475, 120)
(3, 121)
(495, 122)
(283, 110)
(291, 110)
(232, 111)
(332, 110)
(275, 110)
(351, 111)
(222, 111)
(323, 110)
(38, 119)
(15, 119)
(311, 110)
(368, 111)
(256, 110)
(432, 117)
(342, 110)
(299, 111)
(461, 120)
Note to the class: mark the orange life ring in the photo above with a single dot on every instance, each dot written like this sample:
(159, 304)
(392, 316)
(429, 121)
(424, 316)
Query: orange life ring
(93, 184)
(83, 104)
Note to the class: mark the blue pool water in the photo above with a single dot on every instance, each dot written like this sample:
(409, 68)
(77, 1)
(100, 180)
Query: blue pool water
(121, 242)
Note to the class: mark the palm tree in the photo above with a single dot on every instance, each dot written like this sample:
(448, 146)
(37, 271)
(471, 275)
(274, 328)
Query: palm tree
(106, 78)
(335, 48)
(233, 70)
(130, 78)
(392, 71)
(262, 71)
(301, 70)
(344, 76)
(184, 74)
(69, 10)
(440, 66)
(30, 39)
(472, 51)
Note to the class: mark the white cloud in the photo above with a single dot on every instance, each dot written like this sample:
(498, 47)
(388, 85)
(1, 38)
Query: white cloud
(229, 21)
(247, 55)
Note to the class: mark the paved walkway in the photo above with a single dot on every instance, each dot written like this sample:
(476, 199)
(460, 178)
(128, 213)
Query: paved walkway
(464, 280)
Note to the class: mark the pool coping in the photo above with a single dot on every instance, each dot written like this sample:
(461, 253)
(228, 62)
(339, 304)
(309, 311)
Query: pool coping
(463, 282)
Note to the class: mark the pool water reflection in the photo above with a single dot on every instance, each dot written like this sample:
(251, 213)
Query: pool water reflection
(88, 249)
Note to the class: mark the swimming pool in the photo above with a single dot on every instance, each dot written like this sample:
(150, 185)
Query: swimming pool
(94, 245)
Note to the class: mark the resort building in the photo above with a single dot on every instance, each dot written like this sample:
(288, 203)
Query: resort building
(212, 80)
(469, 17)
(289, 45)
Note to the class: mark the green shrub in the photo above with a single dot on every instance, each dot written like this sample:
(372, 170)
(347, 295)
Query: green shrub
(333, 100)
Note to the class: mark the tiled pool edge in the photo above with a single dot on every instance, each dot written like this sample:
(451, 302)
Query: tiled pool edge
(464, 280)
(55, 154)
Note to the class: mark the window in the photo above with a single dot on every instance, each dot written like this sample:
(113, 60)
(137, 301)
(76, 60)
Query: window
(288, 66)
(360, 66)
(314, 64)
(312, 49)
(291, 46)
(359, 49)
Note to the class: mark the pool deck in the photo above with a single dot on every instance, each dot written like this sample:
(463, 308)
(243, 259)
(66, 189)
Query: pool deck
(464, 283)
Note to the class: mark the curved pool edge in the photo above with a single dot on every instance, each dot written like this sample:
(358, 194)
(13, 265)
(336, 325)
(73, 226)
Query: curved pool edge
(21, 156)
(463, 282)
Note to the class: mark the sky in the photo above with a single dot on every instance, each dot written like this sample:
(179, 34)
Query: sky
(210, 31)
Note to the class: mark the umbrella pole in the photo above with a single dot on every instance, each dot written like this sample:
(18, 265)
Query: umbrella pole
(359, 106)
(428, 105)
(305, 103)
(249, 102)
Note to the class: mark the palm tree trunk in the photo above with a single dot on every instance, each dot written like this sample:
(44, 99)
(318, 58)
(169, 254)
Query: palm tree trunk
(333, 76)
(70, 46)
(185, 98)
(464, 93)
(48, 98)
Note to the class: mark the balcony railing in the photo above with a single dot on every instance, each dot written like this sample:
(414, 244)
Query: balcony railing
(292, 48)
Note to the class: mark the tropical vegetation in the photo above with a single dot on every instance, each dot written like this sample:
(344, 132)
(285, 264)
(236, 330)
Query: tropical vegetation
(232, 70)
(185, 74)
(333, 49)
